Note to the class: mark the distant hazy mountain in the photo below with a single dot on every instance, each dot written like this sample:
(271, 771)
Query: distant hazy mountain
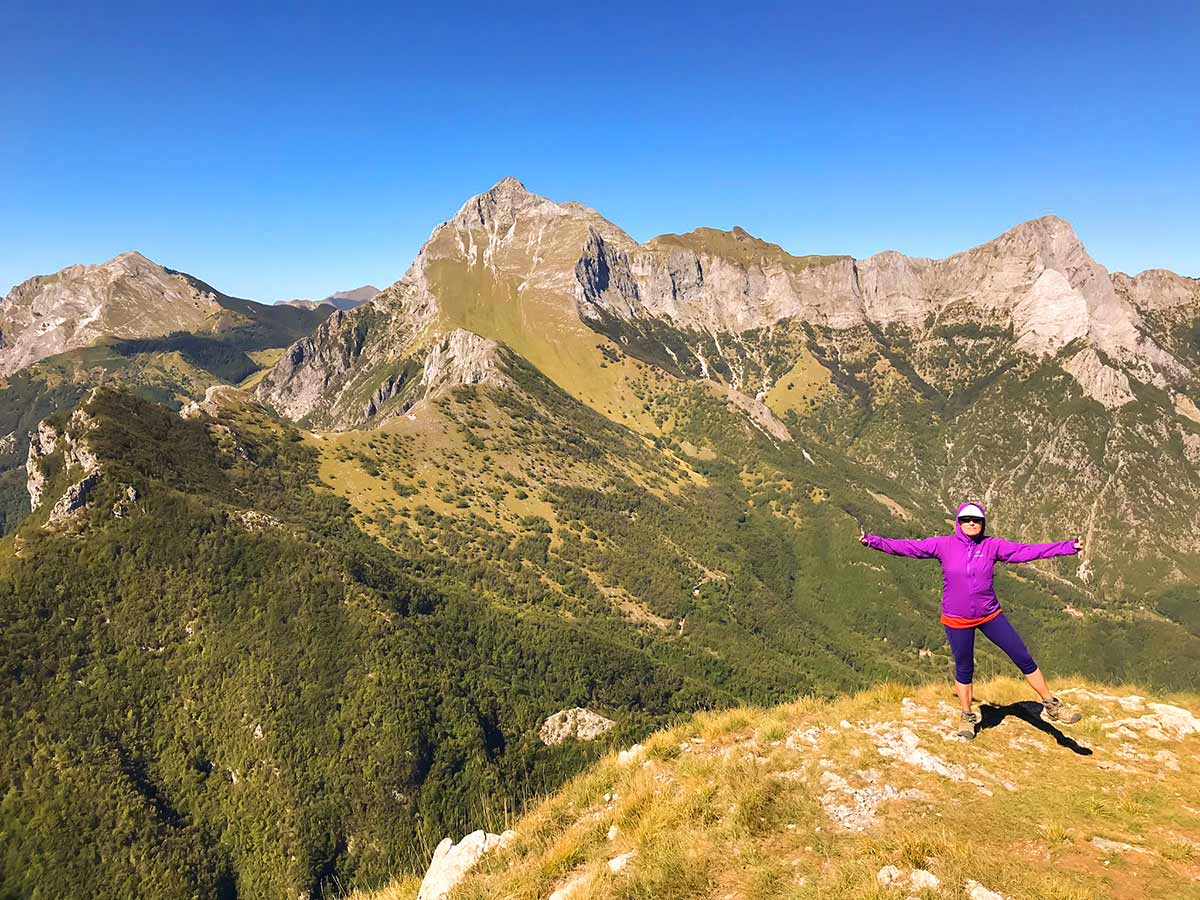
(338, 299)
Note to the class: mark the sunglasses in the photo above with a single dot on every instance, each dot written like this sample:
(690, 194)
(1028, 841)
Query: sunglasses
(970, 520)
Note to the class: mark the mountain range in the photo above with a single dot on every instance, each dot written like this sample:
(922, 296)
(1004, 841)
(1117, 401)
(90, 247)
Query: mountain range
(917, 368)
(288, 601)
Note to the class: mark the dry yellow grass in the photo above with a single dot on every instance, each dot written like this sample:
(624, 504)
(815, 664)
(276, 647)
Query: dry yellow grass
(806, 382)
(734, 805)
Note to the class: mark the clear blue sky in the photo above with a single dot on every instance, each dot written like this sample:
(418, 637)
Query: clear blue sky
(277, 153)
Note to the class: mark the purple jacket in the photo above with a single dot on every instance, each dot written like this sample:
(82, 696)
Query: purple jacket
(967, 564)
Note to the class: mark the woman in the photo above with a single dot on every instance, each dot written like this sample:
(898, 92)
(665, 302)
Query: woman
(969, 602)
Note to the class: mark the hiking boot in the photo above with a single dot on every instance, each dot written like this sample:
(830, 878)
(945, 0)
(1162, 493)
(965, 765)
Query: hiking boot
(1053, 710)
(967, 724)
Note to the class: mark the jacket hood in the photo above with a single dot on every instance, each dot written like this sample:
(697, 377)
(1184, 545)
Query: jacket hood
(958, 532)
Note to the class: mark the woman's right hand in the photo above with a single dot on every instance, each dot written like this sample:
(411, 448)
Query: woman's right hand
(862, 536)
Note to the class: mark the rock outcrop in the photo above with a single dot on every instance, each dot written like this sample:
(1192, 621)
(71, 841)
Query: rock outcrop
(579, 723)
(451, 861)
(41, 445)
(461, 358)
(73, 500)
(76, 457)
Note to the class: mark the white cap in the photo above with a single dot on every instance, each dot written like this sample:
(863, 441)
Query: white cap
(970, 510)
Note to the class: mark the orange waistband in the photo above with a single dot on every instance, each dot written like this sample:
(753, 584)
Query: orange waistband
(961, 622)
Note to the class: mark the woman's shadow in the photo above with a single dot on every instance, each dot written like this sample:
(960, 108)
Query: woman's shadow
(1029, 711)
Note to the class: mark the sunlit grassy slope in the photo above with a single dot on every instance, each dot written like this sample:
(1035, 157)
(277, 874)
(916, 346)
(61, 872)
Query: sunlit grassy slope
(739, 246)
(543, 327)
(755, 803)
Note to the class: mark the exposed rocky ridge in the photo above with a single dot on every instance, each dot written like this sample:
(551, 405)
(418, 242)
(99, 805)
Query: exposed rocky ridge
(217, 397)
(696, 297)
(76, 458)
(1035, 280)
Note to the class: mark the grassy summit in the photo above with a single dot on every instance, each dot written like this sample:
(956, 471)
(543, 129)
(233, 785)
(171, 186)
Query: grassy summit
(740, 246)
(866, 797)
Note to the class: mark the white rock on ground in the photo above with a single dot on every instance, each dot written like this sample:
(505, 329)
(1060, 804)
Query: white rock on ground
(627, 756)
(889, 875)
(579, 723)
(1108, 846)
(854, 808)
(977, 891)
(1164, 723)
(571, 889)
(916, 879)
(451, 861)
(617, 863)
(920, 880)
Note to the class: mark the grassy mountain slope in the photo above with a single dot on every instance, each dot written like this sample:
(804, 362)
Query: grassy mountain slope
(300, 659)
(238, 684)
(846, 799)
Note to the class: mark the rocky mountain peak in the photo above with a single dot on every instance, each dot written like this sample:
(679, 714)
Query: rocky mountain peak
(131, 257)
(500, 203)
(1051, 239)
(129, 296)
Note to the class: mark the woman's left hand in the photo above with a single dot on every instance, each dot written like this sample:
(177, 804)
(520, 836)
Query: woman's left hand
(1078, 545)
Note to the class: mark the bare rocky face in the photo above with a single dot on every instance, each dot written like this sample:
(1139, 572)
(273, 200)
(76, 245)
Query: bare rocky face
(127, 297)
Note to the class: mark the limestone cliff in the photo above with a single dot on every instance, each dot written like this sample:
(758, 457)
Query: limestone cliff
(510, 265)
(1036, 281)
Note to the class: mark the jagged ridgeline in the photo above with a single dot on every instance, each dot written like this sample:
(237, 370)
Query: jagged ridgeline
(290, 640)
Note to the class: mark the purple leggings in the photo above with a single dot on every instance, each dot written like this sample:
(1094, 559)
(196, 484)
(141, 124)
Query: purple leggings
(1001, 633)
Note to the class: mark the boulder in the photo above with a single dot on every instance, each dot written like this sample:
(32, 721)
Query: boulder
(451, 861)
(579, 723)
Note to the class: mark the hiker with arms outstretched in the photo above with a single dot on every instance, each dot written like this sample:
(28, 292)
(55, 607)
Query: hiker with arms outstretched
(969, 602)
